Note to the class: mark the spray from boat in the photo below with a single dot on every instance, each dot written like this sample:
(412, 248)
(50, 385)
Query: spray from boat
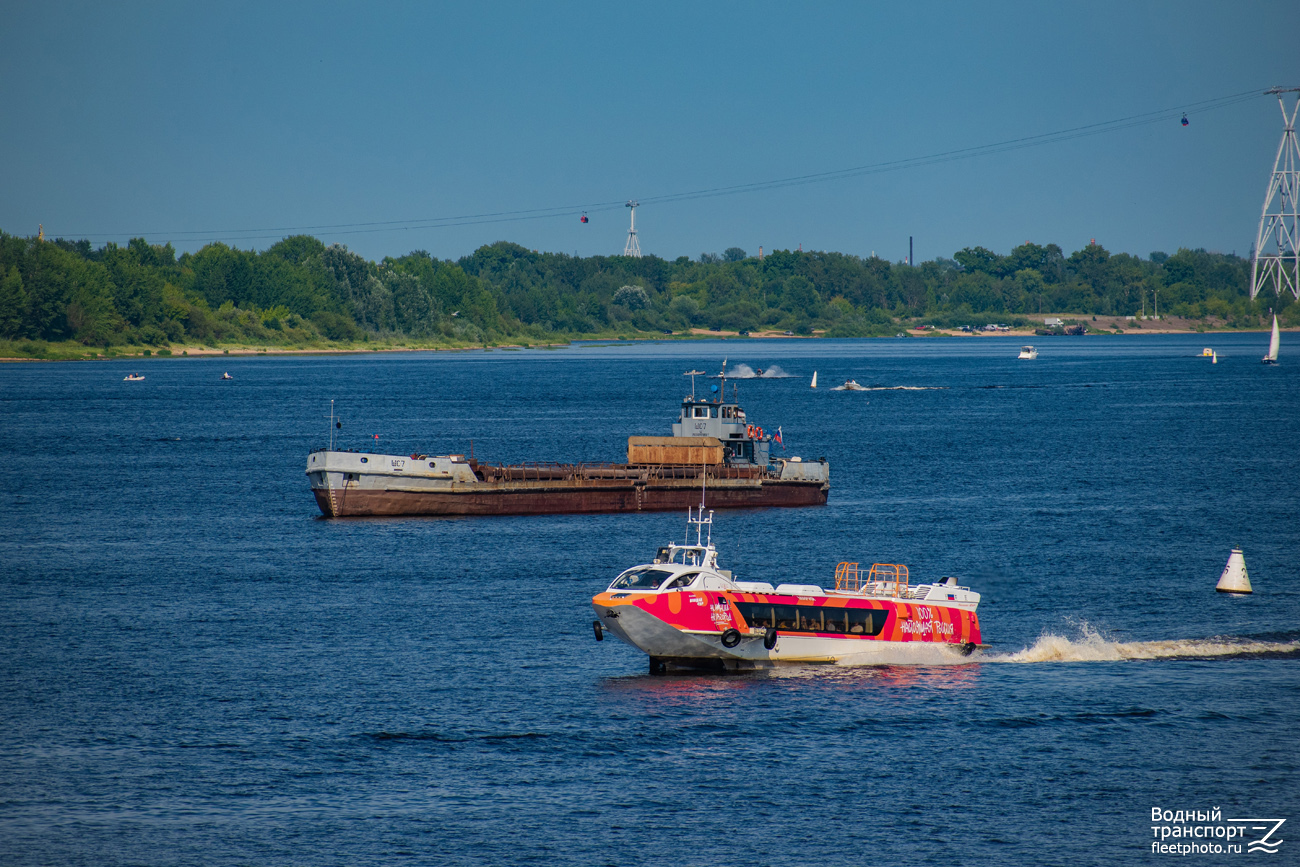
(744, 371)
(1092, 646)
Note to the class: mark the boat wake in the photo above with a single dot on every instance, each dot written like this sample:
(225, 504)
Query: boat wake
(744, 371)
(856, 387)
(1091, 646)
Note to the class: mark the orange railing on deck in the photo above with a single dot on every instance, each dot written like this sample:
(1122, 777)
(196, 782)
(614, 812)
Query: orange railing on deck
(885, 573)
(849, 577)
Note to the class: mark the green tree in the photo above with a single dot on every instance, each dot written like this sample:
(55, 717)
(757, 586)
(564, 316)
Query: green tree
(13, 303)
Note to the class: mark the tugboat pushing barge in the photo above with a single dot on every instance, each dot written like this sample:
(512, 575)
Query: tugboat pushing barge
(713, 447)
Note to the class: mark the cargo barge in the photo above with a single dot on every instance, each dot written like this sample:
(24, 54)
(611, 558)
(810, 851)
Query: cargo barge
(714, 451)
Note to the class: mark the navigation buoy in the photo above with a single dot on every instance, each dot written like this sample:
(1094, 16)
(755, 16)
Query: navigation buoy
(1234, 578)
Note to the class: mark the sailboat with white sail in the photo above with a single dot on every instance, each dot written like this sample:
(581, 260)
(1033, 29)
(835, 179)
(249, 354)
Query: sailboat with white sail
(1273, 343)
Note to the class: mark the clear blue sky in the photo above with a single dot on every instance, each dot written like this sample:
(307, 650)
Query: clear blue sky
(192, 123)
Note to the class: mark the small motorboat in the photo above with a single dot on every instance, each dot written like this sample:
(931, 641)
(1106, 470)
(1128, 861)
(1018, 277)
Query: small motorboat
(133, 377)
(226, 376)
(683, 611)
(851, 385)
(1207, 352)
(1027, 352)
(1274, 343)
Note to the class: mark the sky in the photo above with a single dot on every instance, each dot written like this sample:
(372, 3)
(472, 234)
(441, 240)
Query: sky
(392, 127)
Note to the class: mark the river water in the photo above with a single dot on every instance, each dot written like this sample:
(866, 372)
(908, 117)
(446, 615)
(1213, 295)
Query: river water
(196, 668)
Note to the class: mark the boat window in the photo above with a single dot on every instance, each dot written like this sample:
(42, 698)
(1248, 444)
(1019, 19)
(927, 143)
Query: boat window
(701, 412)
(813, 618)
(682, 581)
(643, 578)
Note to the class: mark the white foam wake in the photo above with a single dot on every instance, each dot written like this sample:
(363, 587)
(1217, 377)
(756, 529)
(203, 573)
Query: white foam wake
(1091, 646)
(847, 387)
(744, 371)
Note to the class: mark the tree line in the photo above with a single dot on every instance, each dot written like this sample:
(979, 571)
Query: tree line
(302, 291)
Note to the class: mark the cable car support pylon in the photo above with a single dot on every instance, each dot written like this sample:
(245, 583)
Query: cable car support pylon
(1279, 225)
(633, 248)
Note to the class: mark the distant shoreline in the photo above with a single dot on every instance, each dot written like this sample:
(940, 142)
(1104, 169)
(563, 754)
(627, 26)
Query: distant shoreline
(1148, 328)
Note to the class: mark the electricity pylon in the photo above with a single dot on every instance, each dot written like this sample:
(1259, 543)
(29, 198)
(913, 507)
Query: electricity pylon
(1279, 227)
(632, 248)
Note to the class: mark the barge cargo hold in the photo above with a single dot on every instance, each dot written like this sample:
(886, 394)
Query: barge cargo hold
(714, 452)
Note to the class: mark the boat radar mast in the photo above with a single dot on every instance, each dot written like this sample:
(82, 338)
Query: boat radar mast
(695, 518)
(692, 374)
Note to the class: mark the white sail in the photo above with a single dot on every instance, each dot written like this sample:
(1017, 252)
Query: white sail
(814, 382)
(1273, 342)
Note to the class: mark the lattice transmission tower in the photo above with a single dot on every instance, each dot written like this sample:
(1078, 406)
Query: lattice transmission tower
(1278, 266)
(632, 248)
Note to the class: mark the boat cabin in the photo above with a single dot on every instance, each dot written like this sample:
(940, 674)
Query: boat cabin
(743, 443)
(676, 567)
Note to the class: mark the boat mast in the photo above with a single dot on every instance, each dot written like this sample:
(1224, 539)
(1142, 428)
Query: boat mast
(331, 425)
(692, 373)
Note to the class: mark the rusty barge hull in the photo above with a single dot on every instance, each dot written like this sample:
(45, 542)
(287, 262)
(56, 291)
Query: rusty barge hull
(547, 499)
(355, 484)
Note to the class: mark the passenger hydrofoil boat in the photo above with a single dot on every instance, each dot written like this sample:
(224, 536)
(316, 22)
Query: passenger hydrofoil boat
(683, 611)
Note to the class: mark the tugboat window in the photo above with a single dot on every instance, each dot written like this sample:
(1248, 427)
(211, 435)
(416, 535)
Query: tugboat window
(640, 579)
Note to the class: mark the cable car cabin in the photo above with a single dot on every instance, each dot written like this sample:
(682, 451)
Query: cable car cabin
(583, 219)
(743, 443)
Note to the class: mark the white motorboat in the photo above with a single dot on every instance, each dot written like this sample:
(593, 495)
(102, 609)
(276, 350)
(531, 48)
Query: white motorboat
(1028, 352)
(133, 377)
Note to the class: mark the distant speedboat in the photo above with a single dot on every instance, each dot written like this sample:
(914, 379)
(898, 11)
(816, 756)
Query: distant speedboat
(1027, 352)
(852, 385)
(1207, 352)
(133, 377)
(1273, 343)
(226, 376)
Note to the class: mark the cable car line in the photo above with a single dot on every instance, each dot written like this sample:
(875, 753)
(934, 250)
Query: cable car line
(361, 228)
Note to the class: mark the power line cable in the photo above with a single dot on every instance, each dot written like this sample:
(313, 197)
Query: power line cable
(1039, 140)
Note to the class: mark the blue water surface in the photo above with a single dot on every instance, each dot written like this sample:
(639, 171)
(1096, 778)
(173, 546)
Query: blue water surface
(196, 668)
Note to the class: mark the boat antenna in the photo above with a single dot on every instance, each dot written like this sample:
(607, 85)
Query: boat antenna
(331, 425)
(692, 373)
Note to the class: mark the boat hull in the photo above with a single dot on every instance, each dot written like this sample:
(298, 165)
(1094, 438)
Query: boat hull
(545, 499)
(691, 629)
(349, 484)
